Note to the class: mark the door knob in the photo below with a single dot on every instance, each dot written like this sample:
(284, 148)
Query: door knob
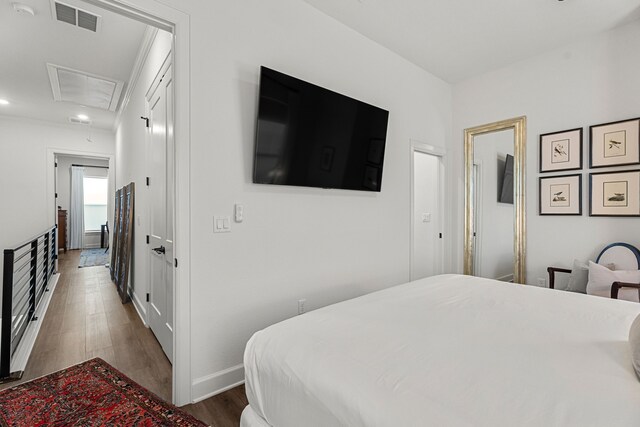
(159, 250)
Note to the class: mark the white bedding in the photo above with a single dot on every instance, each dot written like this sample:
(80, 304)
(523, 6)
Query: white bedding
(447, 351)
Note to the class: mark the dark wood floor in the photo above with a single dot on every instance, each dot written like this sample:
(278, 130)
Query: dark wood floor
(86, 319)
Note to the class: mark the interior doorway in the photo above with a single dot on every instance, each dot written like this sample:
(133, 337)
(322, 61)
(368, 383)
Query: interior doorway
(427, 218)
(90, 217)
(175, 22)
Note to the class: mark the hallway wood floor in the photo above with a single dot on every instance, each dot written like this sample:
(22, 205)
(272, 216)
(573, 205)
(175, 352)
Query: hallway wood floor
(86, 319)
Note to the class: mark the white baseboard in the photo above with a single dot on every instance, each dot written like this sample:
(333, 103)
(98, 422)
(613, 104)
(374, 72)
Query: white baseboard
(205, 387)
(140, 308)
(22, 353)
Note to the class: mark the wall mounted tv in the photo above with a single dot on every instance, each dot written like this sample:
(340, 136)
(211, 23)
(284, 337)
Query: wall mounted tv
(312, 137)
(505, 184)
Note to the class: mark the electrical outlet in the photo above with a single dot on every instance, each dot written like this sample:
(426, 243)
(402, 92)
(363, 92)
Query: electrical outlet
(301, 308)
(542, 282)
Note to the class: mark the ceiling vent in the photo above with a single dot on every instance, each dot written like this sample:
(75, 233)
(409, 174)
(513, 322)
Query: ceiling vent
(77, 121)
(72, 15)
(83, 88)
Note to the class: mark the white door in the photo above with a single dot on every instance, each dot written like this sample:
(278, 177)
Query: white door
(427, 232)
(161, 167)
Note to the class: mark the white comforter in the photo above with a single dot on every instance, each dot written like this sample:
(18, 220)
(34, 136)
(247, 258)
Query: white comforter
(449, 351)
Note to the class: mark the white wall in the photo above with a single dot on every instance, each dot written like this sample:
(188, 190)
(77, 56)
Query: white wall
(495, 220)
(322, 245)
(586, 83)
(131, 141)
(63, 187)
(27, 191)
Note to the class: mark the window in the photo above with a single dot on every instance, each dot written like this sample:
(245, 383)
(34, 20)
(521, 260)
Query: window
(95, 202)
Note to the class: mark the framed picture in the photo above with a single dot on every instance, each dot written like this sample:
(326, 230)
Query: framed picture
(614, 193)
(561, 195)
(615, 144)
(561, 151)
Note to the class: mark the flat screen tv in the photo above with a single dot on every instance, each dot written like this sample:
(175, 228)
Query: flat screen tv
(312, 137)
(505, 189)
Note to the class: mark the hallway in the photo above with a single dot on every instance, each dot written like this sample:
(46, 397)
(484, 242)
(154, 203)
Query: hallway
(86, 319)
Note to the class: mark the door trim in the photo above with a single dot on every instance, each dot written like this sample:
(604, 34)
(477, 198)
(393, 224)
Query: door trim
(424, 148)
(152, 12)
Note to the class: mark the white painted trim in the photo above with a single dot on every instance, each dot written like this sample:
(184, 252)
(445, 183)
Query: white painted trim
(154, 13)
(157, 15)
(506, 278)
(141, 59)
(210, 385)
(140, 308)
(421, 147)
(22, 353)
(477, 201)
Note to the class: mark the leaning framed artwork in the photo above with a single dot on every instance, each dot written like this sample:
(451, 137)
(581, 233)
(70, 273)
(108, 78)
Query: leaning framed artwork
(560, 195)
(561, 151)
(615, 144)
(614, 193)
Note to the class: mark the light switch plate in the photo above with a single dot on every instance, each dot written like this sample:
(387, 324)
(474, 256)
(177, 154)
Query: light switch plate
(221, 224)
(239, 213)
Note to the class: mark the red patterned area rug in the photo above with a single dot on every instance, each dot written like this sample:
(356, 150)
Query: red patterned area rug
(92, 393)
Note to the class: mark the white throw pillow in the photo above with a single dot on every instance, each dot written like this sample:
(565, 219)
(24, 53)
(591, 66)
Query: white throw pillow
(579, 277)
(634, 343)
(601, 279)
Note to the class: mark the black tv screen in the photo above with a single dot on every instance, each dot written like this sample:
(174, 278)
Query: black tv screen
(312, 137)
(505, 189)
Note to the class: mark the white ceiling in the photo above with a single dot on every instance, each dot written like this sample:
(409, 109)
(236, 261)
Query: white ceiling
(457, 39)
(28, 42)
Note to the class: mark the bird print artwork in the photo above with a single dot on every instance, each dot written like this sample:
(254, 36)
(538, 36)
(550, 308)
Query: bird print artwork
(559, 151)
(617, 197)
(558, 197)
(615, 144)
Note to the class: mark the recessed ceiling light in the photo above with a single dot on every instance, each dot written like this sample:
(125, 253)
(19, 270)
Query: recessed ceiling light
(4, 102)
(83, 117)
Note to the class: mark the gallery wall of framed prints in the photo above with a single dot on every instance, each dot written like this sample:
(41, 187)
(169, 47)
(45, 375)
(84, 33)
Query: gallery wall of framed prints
(614, 193)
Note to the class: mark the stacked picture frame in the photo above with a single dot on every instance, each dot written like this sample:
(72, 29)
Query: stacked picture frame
(613, 193)
(122, 240)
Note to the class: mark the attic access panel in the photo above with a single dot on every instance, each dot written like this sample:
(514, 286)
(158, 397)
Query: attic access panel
(84, 88)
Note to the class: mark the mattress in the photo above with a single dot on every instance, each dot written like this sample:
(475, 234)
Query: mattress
(448, 350)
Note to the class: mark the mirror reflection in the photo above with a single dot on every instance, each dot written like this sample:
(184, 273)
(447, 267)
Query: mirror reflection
(493, 207)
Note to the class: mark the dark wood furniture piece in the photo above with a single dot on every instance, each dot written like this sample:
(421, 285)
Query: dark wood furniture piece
(552, 275)
(62, 230)
(616, 286)
(103, 233)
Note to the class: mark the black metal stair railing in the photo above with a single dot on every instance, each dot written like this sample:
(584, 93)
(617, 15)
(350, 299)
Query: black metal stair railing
(26, 275)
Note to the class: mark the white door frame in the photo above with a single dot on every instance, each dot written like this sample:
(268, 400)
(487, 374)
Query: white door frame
(154, 13)
(421, 147)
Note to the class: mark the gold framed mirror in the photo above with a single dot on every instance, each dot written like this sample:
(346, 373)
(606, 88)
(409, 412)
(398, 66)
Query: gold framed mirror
(486, 152)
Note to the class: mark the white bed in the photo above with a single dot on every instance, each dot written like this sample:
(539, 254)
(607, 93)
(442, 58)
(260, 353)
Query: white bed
(448, 351)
